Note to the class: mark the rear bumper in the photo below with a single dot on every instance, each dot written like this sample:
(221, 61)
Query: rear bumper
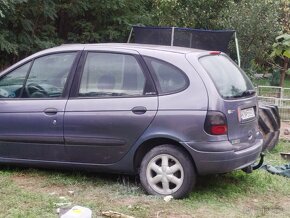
(214, 161)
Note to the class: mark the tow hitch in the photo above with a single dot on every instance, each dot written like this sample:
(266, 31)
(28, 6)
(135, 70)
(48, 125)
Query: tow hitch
(255, 166)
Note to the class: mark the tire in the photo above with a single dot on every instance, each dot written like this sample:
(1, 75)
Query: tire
(275, 111)
(274, 141)
(263, 126)
(155, 178)
(267, 140)
(269, 124)
(268, 115)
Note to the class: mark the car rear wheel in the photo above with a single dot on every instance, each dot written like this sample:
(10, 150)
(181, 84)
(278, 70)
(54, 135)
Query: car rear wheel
(167, 170)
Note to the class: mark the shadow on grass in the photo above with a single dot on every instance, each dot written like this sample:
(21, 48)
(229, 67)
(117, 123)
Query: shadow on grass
(124, 184)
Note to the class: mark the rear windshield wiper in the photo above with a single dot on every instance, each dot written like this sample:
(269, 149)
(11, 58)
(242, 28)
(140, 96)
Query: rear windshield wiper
(248, 92)
(243, 94)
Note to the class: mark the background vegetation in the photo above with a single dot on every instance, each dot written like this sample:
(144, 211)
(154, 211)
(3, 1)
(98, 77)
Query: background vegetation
(28, 26)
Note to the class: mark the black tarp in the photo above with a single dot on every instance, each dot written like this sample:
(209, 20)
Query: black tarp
(217, 40)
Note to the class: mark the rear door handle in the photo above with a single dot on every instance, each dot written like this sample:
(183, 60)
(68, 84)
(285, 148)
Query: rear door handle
(139, 110)
(50, 111)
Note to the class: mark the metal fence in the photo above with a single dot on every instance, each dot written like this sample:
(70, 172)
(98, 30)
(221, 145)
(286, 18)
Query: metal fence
(278, 96)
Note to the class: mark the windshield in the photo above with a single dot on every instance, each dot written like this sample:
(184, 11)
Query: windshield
(230, 81)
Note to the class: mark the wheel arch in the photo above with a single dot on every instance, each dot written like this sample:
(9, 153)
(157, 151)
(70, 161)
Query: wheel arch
(149, 144)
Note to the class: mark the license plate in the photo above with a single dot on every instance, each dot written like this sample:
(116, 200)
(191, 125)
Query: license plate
(247, 114)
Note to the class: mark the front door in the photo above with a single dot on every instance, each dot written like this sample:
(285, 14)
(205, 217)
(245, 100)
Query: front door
(32, 108)
(113, 105)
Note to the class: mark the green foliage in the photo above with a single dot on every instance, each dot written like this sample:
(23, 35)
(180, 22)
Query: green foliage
(281, 47)
(28, 26)
(256, 23)
(4, 6)
(275, 79)
(188, 13)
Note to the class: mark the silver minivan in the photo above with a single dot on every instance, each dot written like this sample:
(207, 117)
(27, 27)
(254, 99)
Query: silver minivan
(168, 114)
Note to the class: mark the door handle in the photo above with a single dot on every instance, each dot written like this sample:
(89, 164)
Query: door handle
(50, 111)
(139, 110)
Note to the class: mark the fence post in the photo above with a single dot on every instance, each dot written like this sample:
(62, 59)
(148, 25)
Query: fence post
(281, 92)
(277, 102)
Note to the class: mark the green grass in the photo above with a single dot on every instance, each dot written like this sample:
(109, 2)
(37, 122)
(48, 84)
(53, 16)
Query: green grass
(35, 193)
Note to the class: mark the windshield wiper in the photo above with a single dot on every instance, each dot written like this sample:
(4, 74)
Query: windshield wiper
(248, 93)
(243, 94)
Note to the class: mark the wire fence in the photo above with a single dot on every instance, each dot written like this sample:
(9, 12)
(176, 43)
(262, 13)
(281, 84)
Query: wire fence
(269, 95)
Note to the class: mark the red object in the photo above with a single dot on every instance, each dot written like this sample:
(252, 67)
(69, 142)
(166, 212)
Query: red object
(215, 123)
(215, 52)
(219, 129)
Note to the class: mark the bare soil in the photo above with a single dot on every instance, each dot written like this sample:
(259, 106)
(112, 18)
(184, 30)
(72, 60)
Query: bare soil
(285, 131)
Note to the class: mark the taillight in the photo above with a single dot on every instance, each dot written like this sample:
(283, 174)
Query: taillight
(215, 123)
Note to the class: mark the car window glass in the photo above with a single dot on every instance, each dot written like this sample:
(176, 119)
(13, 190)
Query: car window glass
(107, 74)
(48, 75)
(170, 78)
(12, 83)
(230, 81)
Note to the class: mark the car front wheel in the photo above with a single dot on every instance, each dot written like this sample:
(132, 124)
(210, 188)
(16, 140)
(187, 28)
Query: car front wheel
(167, 170)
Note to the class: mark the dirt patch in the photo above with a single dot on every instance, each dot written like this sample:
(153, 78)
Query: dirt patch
(36, 184)
(270, 206)
(285, 127)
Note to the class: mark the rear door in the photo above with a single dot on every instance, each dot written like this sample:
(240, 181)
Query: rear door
(112, 104)
(238, 97)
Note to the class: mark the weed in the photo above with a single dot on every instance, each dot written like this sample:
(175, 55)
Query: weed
(35, 193)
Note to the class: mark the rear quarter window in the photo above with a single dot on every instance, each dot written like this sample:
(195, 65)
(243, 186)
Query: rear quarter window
(168, 78)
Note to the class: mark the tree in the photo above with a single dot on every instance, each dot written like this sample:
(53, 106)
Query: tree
(188, 13)
(281, 49)
(257, 24)
(28, 26)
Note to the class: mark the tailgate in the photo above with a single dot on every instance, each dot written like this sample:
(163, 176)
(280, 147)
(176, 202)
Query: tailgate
(242, 118)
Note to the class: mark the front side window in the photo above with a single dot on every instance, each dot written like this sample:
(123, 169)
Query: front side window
(229, 80)
(11, 84)
(48, 75)
(170, 79)
(107, 74)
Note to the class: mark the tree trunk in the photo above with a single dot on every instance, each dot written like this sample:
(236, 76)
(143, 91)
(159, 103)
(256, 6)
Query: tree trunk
(283, 72)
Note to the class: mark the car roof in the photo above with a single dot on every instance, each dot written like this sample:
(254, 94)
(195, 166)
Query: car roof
(134, 46)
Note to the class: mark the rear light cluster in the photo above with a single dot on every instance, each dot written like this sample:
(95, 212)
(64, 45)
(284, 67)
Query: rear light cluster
(215, 123)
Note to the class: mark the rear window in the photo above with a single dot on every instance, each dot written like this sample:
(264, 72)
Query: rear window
(230, 81)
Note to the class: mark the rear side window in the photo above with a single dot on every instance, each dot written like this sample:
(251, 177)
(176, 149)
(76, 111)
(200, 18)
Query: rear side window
(230, 81)
(108, 74)
(169, 78)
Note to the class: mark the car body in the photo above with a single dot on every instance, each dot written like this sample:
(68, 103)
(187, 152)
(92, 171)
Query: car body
(124, 108)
